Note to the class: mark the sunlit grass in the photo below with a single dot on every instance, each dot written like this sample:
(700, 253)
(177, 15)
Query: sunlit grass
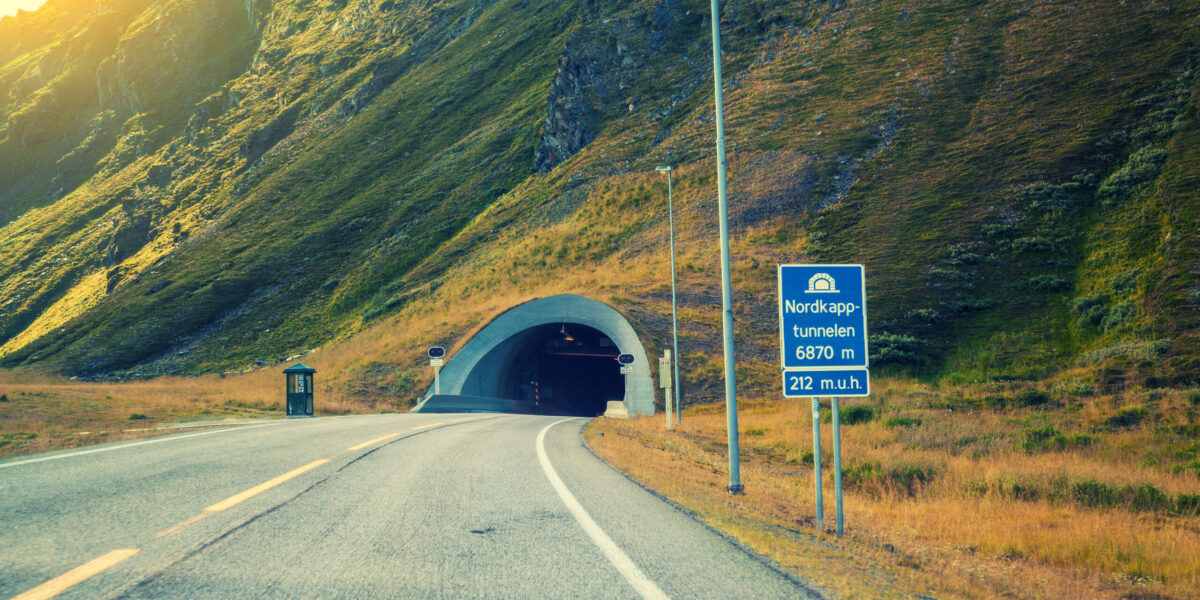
(941, 501)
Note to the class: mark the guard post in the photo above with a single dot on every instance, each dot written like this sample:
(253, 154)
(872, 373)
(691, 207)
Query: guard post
(299, 390)
(664, 381)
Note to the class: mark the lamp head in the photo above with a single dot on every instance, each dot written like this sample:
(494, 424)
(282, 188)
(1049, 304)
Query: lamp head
(665, 169)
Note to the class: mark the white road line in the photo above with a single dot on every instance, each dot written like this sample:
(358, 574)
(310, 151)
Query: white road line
(166, 438)
(646, 588)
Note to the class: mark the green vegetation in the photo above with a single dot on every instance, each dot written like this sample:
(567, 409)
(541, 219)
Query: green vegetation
(194, 188)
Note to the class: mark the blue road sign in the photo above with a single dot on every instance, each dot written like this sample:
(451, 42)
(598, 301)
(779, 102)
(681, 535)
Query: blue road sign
(840, 382)
(823, 328)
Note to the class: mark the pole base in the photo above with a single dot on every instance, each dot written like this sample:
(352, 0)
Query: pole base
(735, 489)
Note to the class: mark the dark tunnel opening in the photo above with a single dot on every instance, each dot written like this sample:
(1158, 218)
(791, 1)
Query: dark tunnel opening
(560, 369)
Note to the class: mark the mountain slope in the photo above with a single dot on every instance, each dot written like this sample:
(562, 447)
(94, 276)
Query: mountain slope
(202, 185)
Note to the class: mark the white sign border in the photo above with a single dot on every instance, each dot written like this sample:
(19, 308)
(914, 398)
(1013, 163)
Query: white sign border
(866, 333)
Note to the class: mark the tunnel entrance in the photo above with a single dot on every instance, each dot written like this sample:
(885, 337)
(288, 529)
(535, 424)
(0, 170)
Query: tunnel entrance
(569, 369)
(554, 356)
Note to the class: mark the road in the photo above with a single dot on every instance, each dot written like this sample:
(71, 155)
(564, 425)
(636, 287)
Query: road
(375, 506)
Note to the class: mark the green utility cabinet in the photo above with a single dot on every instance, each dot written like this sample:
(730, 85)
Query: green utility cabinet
(299, 390)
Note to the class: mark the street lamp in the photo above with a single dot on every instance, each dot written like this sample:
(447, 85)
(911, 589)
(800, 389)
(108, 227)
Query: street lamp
(674, 304)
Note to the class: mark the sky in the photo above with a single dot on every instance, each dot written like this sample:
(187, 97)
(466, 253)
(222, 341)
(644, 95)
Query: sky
(9, 7)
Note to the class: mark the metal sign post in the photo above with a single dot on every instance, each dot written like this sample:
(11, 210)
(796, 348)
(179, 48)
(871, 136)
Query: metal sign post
(837, 463)
(823, 350)
(817, 462)
(436, 360)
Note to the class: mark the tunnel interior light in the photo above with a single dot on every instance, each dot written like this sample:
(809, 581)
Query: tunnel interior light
(566, 336)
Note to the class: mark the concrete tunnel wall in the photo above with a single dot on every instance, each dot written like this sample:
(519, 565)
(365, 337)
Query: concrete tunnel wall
(477, 366)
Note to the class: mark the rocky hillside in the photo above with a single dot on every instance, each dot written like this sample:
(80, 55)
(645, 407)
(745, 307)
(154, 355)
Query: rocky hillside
(201, 185)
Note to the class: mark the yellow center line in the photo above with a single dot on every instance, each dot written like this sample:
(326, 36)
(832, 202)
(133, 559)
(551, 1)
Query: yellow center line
(264, 486)
(77, 575)
(180, 526)
(374, 441)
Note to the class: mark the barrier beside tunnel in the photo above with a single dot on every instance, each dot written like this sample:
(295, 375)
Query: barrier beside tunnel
(553, 355)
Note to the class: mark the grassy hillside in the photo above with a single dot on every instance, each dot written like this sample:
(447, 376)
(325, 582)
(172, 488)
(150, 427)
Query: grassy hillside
(205, 186)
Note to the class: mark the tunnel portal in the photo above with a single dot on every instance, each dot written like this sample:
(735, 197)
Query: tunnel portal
(553, 355)
(553, 369)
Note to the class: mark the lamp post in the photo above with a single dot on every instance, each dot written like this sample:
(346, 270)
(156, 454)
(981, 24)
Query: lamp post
(674, 304)
(735, 477)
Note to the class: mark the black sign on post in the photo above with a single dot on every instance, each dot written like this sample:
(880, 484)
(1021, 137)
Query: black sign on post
(625, 359)
(437, 352)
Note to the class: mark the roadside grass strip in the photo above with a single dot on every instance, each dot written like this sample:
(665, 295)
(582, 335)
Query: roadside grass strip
(169, 438)
(77, 575)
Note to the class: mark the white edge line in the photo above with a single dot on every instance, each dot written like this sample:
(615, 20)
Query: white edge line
(646, 588)
(165, 438)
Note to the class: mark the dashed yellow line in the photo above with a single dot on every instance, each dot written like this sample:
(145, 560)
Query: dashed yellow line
(420, 427)
(264, 486)
(77, 575)
(372, 442)
(86, 571)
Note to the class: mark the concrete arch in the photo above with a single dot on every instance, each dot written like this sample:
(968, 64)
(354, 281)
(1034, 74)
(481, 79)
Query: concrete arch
(477, 368)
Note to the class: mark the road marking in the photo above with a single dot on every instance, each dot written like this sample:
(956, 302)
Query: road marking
(76, 576)
(466, 419)
(374, 441)
(262, 487)
(180, 526)
(631, 572)
(266, 485)
(167, 438)
(420, 427)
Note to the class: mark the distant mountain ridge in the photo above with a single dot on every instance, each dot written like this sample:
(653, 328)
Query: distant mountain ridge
(192, 186)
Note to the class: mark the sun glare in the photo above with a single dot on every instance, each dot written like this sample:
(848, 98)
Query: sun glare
(10, 7)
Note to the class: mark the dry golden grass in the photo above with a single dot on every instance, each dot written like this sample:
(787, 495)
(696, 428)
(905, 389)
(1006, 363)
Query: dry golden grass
(961, 528)
(40, 413)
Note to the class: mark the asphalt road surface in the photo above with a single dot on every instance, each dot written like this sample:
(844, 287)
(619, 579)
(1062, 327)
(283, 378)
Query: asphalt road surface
(380, 506)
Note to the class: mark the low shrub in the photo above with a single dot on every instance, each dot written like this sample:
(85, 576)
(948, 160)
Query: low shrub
(1091, 309)
(1137, 498)
(995, 401)
(1050, 283)
(855, 415)
(1031, 398)
(897, 349)
(871, 478)
(1187, 504)
(1037, 438)
(902, 421)
(1127, 417)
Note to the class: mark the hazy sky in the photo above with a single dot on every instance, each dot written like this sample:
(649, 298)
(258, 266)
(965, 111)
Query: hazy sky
(9, 7)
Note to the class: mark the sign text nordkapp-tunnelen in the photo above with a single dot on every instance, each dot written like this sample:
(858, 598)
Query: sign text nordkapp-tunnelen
(823, 330)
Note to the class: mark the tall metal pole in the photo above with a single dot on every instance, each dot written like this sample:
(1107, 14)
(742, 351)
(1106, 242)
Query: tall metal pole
(735, 477)
(674, 303)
